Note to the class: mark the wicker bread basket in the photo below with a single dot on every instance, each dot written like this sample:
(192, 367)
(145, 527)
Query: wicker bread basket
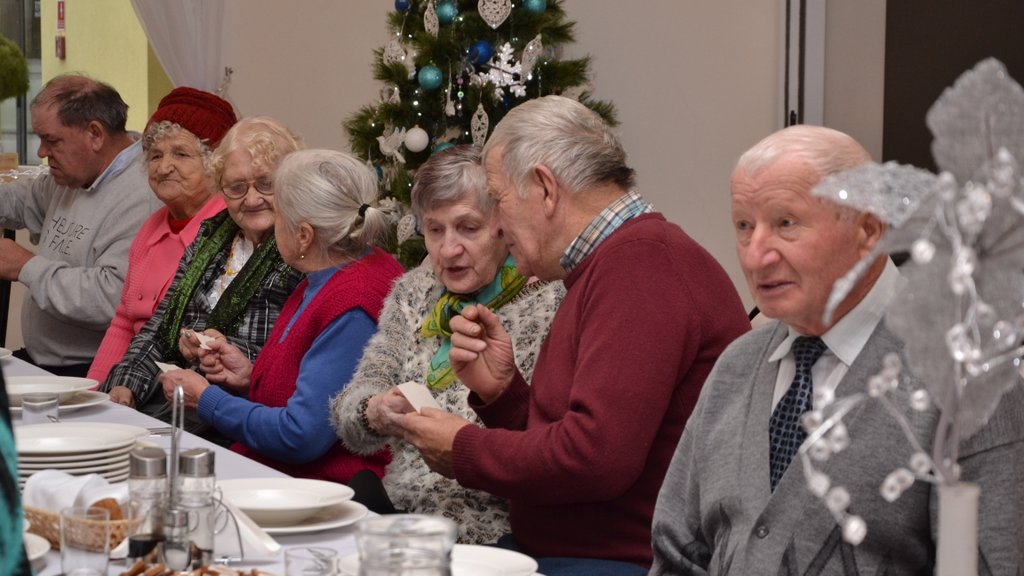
(47, 524)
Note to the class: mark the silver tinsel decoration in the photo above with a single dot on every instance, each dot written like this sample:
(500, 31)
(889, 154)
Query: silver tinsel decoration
(961, 315)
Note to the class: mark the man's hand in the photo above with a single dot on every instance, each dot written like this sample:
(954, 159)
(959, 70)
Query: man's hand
(191, 383)
(122, 395)
(481, 354)
(12, 258)
(433, 434)
(189, 344)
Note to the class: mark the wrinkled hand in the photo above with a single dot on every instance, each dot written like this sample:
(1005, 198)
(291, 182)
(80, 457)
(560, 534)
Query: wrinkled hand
(188, 343)
(384, 413)
(226, 365)
(13, 257)
(433, 434)
(191, 383)
(122, 395)
(481, 354)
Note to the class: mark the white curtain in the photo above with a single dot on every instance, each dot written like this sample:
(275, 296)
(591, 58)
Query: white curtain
(185, 35)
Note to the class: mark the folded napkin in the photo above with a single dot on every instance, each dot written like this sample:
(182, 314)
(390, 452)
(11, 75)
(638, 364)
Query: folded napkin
(256, 543)
(53, 490)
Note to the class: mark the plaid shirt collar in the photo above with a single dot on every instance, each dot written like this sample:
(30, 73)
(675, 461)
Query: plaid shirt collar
(616, 214)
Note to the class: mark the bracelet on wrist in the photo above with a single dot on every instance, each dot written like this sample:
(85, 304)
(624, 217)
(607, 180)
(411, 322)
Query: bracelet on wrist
(364, 420)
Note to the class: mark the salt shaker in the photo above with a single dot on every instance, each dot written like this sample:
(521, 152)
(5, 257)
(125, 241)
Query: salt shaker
(196, 485)
(177, 550)
(147, 501)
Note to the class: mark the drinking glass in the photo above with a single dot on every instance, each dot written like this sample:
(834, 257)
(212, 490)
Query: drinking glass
(39, 408)
(401, 544)
(84, 541)
(312, 561)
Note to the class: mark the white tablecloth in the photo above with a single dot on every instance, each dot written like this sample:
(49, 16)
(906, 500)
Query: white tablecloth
(229, 465)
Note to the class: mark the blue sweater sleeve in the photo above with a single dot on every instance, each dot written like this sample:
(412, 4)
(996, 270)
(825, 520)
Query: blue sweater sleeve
(301, 431)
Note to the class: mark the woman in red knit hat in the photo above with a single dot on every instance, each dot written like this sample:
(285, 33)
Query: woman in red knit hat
(187, 125)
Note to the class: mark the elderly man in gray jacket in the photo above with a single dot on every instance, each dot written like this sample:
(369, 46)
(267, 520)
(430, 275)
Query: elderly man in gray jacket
(735, 501)
(82, 217)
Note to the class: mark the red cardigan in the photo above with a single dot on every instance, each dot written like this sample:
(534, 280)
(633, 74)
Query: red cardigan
(362, 284)
(581, 453)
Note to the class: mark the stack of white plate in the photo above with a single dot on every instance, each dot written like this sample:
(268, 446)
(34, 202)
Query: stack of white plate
(76, 448)
(293, 505)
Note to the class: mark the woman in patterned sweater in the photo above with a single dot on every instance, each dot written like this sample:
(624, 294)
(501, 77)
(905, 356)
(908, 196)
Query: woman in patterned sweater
(468, 263)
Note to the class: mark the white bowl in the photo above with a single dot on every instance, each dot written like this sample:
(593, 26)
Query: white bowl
(283, 501)
(65, 387)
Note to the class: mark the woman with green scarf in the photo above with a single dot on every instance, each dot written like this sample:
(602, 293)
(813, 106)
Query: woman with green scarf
(231, 282)
(468, 263)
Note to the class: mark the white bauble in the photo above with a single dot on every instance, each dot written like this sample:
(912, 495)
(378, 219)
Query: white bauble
(416, 139)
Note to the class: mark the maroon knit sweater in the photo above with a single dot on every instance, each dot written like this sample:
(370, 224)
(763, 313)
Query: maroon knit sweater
(581, 453)
(362, 284)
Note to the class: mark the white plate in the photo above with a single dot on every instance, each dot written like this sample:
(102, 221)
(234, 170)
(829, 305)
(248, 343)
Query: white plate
(69, 438)
(64, 386)
(81, 399)
(283, 501)
(469, 560)
(331, 517)
(4, 353)
(35, 546)
(60, 459)
(98, 461)
(120, 466)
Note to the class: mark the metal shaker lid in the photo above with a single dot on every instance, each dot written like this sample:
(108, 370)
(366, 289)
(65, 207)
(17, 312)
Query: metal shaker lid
(147, 462)
(175, 518)
(196, 462)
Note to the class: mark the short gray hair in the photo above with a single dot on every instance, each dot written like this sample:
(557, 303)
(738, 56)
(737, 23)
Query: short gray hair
(568, 138)
(448, 176)
(824, 150)
(327, 189)
(157, 131)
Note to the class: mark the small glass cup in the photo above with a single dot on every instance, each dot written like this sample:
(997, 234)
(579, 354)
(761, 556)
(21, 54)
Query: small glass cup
(400, 544)
(312, 561)
(84, 541)
(39, 408)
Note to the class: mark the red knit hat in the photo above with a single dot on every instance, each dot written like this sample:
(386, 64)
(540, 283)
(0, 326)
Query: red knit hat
(206, 115)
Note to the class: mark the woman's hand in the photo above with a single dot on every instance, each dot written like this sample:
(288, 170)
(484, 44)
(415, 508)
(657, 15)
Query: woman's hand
(384, 413)
(122, 395)
(189, 344)
(191, 383)
(481, 354)
(226, 365)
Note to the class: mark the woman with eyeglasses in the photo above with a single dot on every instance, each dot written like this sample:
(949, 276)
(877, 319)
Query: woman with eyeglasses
(330, 227)
(231, 282)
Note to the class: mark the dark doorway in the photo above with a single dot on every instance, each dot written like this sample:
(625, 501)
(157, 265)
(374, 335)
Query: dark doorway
(928, 44)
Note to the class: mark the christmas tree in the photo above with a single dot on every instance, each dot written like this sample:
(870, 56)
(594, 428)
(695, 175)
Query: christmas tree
(451, 71)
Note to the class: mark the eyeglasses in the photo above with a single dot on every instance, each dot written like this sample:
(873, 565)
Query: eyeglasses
(239, 189)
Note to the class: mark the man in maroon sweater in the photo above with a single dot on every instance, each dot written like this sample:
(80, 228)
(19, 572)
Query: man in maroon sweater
(581, 453)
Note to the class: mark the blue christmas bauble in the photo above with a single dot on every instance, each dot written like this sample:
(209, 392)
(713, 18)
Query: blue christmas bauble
(442, 147)
(446, 12)
(430, 77)
(481, 51)
(401, 5)
(535, 6)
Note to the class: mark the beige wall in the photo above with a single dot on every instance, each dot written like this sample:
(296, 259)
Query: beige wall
(695, 83)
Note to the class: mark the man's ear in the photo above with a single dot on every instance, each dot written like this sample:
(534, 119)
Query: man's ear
(871, 230)
(550, 190)
(97, 135)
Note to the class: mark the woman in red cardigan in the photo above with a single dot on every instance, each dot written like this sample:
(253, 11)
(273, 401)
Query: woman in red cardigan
(327, 227)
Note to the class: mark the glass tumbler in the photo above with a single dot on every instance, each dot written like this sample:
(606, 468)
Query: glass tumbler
(405, 544)
(39, 408)
(84, 541)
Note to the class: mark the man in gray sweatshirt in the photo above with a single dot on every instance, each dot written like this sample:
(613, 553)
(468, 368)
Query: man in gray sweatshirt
(81, 217)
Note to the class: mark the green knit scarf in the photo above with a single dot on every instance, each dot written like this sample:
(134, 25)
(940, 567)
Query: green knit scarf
(227, 314)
